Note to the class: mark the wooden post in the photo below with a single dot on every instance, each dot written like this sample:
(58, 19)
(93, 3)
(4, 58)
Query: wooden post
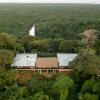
(40, 72)
(58, 71)
(47, 71)
(19, 74)
(53, 71)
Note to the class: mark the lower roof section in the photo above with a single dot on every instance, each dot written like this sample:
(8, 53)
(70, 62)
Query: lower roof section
(47, 62)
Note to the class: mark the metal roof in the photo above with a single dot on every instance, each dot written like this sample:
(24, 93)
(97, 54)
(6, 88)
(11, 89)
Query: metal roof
(24, 60)
(65, 59)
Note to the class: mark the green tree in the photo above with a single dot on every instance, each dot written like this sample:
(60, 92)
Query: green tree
(97, 47)
(90, 90)
(8, 41)
(7, 80)
(87, 66)
(65, 46)
(88, 96)
(25, 41)
(41, 45)
(69, 46)
(61, 86)
(6, 58)
(40, 96)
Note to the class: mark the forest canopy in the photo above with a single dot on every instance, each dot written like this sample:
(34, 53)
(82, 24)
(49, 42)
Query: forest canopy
(60, 28)
(51, 20)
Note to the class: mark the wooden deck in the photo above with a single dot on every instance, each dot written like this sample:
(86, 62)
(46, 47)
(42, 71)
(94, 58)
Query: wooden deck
(48, 71)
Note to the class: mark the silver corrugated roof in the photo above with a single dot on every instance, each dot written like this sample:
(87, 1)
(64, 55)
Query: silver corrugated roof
(65, 59)
(24, 60)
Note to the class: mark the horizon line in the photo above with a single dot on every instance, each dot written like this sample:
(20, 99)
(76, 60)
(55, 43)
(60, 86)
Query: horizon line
(43, 3)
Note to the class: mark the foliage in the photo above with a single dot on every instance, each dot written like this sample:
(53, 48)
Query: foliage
(57, 20)
(89, 37)
(90, 90)
(88, 96)
(69, 46)
(6, 58)
(57, 30)
(40, 96)
(97, 47)
(7, 41)
(61, 86)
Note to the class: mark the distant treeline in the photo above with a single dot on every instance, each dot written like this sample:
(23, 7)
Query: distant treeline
(51, 20)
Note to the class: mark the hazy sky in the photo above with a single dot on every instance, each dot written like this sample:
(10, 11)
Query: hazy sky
(50, 1)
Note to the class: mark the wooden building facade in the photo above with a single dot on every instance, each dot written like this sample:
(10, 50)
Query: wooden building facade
(44, 65)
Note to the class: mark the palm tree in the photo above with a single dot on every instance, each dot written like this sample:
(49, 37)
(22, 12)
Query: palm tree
(61, 86)
(40, 96)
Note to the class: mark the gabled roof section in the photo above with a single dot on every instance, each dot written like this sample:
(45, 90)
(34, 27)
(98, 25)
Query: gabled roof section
(24, 60)
(64, 59)
(47, 62)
